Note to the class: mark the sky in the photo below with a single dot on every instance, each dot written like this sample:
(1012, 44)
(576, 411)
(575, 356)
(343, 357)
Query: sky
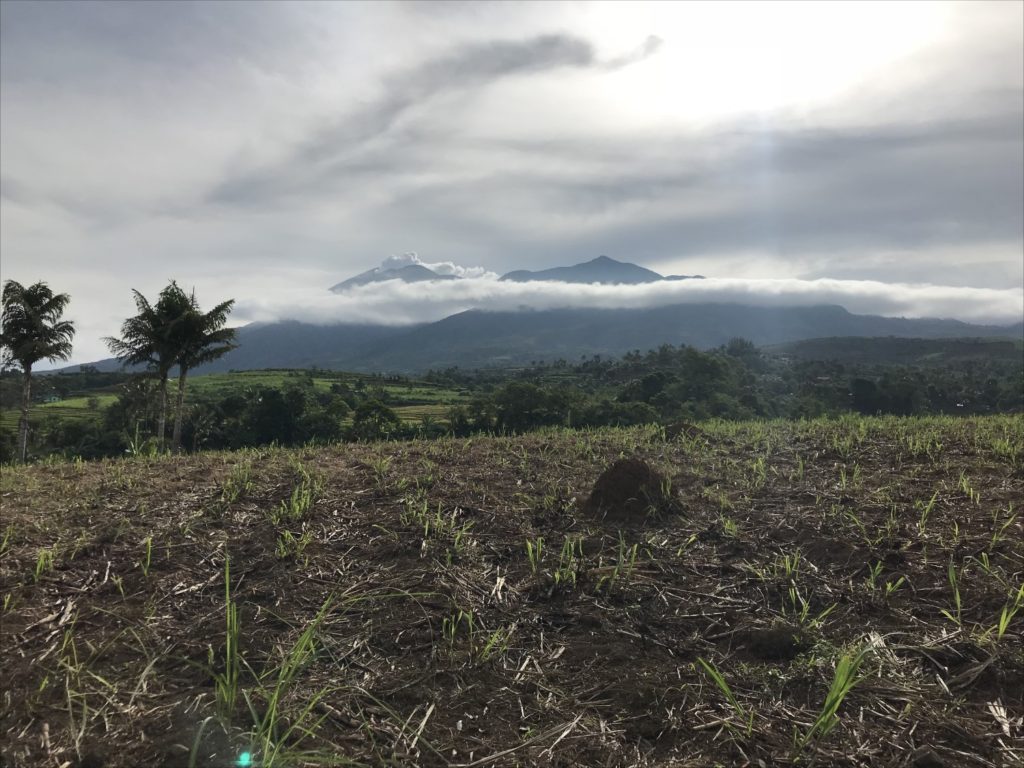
(868, 154)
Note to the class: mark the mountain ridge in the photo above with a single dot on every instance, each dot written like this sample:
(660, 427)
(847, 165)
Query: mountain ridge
(480, 338)
(603, 269)
(600, 270)
(410, 273)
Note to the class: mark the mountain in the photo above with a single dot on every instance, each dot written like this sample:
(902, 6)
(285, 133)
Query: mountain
(412, 273)
(289, 344)
(479, 338)
(599, 270)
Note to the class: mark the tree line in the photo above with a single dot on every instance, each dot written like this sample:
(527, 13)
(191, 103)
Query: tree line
(172, 332)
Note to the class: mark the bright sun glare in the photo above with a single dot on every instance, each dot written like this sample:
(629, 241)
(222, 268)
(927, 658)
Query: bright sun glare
(721, 59)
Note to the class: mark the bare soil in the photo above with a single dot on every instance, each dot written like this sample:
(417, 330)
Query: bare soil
(440, 641)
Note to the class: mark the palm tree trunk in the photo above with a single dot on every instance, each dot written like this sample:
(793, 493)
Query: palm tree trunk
(26, 400)
(161, 419)
(179, 409)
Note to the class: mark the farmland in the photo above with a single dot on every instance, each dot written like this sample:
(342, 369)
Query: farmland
(841, 592)
(107, 414)
(413, 399)
(71, 409)
(74, 421)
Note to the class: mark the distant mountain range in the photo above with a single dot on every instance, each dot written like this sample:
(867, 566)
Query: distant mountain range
(600, 270)
(479, 339)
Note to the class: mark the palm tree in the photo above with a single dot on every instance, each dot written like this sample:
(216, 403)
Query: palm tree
(153, 338)
(33, 331)
(202, 338)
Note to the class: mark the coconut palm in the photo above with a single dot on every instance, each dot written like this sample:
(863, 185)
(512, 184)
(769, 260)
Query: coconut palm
(33, 331)
(202, 338)
(153, 338)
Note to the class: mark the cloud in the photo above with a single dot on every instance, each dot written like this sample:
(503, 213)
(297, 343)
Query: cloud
(648, 48)
(397, 303)
(784, 191)
(334, 149)
(441, 267)
(244, 148)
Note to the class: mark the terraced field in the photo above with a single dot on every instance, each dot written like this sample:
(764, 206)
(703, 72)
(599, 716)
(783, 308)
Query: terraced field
(71, 409)
(411, 400)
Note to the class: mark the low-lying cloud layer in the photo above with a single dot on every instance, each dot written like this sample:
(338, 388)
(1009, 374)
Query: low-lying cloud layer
(397, 303)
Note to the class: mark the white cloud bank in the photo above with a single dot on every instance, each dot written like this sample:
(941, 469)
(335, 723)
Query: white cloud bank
(397, 303)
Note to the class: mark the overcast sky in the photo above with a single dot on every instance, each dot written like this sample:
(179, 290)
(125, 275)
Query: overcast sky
(266, 151)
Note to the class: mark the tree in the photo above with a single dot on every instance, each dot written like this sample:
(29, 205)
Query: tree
(201, 338)
(33, 331)
(373, 420)
(521, 406)
(153, 338)
(136, 403)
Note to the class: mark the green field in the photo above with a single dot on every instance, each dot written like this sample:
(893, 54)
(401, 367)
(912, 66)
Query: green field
(411, 400)
(216, 383)
(72, 409)
(414, 414)
(403, 393)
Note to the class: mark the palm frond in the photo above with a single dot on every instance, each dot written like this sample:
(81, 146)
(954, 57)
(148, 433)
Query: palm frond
(32, 328)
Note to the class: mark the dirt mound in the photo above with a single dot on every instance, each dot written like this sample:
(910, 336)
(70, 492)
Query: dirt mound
(629, 491)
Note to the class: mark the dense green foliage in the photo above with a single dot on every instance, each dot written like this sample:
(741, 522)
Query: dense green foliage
(173, 332)
(736, 381)
(113, 413)
(32, 328)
